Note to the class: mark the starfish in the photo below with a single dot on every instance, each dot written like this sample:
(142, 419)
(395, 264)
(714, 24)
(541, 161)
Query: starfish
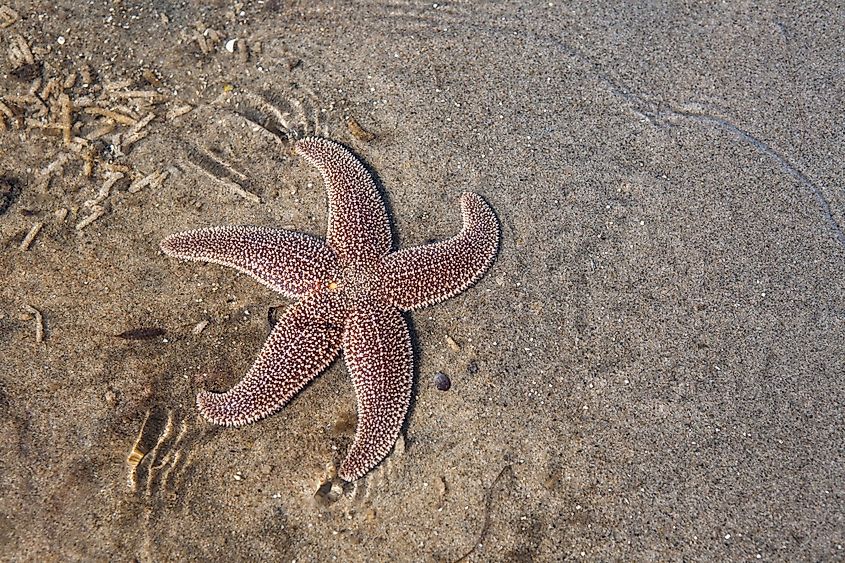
(352, 290)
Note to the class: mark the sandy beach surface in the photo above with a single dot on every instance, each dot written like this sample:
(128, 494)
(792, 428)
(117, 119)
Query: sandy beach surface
(652, 369)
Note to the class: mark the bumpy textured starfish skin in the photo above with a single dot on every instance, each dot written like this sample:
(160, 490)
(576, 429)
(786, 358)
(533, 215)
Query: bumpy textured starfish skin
(287, 262)
(420, 276)
(304, 341)
(352, 290)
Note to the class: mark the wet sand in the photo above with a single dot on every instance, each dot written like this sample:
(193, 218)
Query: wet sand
(651, 370)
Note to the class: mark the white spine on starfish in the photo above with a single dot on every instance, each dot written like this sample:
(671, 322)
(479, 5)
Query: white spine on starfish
(420, 276)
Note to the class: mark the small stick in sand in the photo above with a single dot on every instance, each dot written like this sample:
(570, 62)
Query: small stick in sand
(97, 212)
(116, 167)
(143, 122)
(118, 85)
(8, 17)
(19, 52)
(177, 112)
(30, 236)
(85, 74)
(88, 163)
(6, 110)
(100, 131)
(152, 97)
(117, 117)
(29, 99)
(243, 51)
(111, 179)
(66, 119)
(135, 133)
(52, 86)
(69, 81)
(39, 322)
(149, 179)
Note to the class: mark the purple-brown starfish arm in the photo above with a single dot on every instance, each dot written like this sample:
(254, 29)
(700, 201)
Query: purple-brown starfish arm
(358, 225)
(301, 345)
(424, 275)
(291, 263)
(378, 354)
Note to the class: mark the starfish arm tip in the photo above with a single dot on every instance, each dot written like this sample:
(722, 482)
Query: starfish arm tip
(379, 356)
(213, 407)
(168, 244)
(208, 405)
(364, 457)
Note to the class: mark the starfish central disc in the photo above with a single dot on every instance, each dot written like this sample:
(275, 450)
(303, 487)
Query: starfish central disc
(356, 282)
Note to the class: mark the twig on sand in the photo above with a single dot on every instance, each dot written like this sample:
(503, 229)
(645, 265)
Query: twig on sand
(39, 322)
(30, 236)
(136, 133)
(156, 179)
(111, 179)
(8, 17)
(97, 211)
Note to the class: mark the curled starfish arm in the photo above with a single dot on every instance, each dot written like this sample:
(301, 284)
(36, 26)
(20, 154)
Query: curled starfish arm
(302, 344)
(358, 225)
(378, 354)
(286, 261)
(424, 275)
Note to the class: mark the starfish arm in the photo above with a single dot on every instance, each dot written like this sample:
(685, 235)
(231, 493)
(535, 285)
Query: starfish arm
(424, 275)
(286, 261)
(302, 344)
(358, 225)
(378, 354)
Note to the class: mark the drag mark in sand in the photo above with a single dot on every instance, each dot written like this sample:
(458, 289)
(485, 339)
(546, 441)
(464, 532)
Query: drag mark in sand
(488, 505)
(782, 162)
(656, 115)
(653, 114)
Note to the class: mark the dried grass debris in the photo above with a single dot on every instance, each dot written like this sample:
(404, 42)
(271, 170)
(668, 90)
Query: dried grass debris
(30, 236)
(39, 322)
(8, 17)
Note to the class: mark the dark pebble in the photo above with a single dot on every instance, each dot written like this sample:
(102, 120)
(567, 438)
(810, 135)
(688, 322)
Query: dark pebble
(472, 368)
(442, 381)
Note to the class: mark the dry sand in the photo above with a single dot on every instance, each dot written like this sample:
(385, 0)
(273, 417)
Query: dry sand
(652, 370)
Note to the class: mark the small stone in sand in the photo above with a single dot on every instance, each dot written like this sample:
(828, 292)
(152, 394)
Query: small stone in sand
(442, 381)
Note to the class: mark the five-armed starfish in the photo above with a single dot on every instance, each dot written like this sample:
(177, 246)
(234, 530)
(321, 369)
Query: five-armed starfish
(352, 290)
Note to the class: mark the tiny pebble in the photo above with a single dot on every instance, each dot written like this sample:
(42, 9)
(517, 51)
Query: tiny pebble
(472, 368)
(442, 381)
(230, 45)
(60, 40)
